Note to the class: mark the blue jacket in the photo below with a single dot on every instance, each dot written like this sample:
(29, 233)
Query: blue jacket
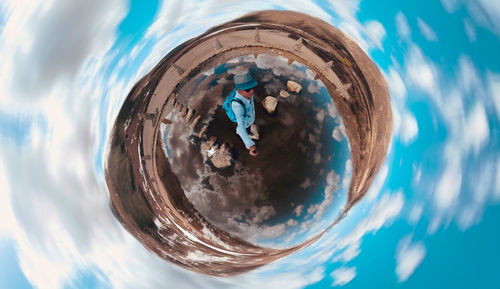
(242, 120)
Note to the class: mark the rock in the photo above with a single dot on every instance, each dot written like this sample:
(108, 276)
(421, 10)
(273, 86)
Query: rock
(254, 132)
(284, 94)
(167, 121)
(189, 114)
(179, 107)
(270, 103)
(202, 131)
(293, 86)
(195, 121)
(209, 143)
(222, 157)
(184, 112)
(208, 147)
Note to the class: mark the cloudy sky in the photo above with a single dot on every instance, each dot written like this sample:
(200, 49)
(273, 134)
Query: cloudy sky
(430, 215)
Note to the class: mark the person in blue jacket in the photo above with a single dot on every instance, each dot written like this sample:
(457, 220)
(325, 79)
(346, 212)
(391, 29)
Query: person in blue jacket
(245, 116)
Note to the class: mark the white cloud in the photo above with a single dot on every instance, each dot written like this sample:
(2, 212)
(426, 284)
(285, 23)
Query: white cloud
(308, 7)
(417, 174)
(470, 30)
(450, 5)
(476, 131)
(484, 12)
(68, 42)
(240, 69)
(269, 232)
(466, 119)
(263, 214)
(293, 280)
(171, 14)
(379, 181)
(197, 16)
(453, 113)
(408, 257)
(279, 65)
(369, 35)
(376, 31)
(402, 25)
(56, 235)
(291, 223)
(343, 275)
(468, 78)
(332, 185)
(298, 210)
(350, 253)
(305, 184)
(397, 87)
(313, 88)
(348, 246)
(448, 187)
(387, 208)
(333, 112)
(62, 37)
(396, 118)
(354, 30)
(493, 83)
(347, 174)
(470, 212)
(337, 134)
(426, 30)
(409, 128)
(416, 213)
(421, 72)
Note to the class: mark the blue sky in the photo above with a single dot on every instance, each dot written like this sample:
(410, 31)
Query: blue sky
(12, 276)
(429, 218)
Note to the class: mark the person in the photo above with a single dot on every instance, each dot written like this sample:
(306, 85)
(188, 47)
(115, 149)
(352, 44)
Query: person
(244, 85)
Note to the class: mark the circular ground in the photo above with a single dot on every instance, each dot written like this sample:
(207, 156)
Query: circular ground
(150, 198)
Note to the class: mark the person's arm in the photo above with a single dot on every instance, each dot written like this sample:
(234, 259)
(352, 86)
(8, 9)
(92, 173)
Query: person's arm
(241, 130)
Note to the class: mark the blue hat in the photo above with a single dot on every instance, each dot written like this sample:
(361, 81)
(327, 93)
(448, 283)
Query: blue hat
(244, 81)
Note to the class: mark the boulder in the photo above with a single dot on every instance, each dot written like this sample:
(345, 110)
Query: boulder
(202, 132)
(184, 112)
(222, 157)
(293, 86)
(284, 94)
(254, 132)
(189, 114)
(269, 103)
(208, 147)
(195, 121)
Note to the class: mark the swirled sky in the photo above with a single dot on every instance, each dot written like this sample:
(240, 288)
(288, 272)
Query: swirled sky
(429, 220)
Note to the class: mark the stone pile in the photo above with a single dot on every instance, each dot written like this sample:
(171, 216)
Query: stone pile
(284, 93)
(189, 115)
(270, 102)
(219, 156)
(293, 86)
